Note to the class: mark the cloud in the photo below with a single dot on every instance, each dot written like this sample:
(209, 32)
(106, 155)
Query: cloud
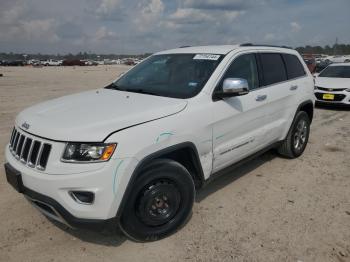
(110, 10)
(270, 37)
(137, 26)
(217, 4)
(104, 34)
(14, 25)
(190, 16)
(295, 27)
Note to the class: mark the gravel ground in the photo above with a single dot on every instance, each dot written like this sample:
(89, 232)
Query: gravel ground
(271, 209)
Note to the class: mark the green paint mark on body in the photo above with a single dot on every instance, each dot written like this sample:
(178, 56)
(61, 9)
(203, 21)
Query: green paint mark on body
(164, 134)
(115, 174)
(218, 137)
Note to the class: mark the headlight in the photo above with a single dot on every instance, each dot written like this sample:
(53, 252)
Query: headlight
(347, 90)
(89, 152)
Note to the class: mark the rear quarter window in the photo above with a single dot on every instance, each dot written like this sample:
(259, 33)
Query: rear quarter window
(294, 67)
(273, 68)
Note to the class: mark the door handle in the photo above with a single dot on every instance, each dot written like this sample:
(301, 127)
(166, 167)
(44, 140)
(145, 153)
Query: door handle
(293, 87)
(261, 97)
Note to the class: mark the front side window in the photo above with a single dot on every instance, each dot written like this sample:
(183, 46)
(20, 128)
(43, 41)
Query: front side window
(243, 67)
(273, 68)
(170, 75)
(336, 71)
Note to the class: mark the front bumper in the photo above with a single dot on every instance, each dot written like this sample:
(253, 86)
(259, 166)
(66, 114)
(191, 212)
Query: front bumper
(340, 97)
(54, 210)
(50, 192)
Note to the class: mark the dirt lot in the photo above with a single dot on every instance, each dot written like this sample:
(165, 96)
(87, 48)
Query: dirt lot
(272, 209)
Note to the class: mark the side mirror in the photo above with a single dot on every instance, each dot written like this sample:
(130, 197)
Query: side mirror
(233, 87)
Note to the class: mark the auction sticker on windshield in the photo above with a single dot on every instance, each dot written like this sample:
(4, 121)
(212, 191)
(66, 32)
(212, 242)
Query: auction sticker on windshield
(206, 57)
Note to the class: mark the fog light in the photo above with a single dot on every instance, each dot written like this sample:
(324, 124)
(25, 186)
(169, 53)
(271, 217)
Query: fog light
(83, 197)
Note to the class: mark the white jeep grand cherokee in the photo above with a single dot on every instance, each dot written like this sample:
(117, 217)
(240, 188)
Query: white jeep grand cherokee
(132, 154)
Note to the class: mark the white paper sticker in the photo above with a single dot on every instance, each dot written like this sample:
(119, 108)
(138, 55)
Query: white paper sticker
(206, 57)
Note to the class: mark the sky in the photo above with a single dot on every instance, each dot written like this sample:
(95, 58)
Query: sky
(135, 27)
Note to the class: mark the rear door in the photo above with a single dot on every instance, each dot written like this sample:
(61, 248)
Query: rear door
(280, 95)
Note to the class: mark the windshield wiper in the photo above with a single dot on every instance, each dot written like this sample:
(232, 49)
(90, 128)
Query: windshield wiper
(141, 91)
(113, 86)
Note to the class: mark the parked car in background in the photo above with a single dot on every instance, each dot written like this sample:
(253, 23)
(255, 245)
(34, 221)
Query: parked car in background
(73, 62)
(34, 62)
(321, 64)
(90, 63)
(310, 61)
(339, 59)
(332, 85)
(130, 62)
(13, 63)
(51, 62)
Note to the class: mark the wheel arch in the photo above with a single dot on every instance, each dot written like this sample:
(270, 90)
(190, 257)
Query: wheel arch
(307, 107)
(185, 153)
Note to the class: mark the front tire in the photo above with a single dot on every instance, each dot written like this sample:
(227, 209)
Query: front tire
(295, 143)
(160, 202)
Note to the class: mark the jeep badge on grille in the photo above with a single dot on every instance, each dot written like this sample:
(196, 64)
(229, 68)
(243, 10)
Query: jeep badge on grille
(25, 125)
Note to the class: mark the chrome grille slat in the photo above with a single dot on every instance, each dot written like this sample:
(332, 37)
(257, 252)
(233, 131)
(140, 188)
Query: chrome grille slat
(29, 151)
(39, 154)
(34, 155)
(24, 143)
(19, 146)
(44, 156)
(16, 141)
(13, 139)
(25, 151)
(12, 135)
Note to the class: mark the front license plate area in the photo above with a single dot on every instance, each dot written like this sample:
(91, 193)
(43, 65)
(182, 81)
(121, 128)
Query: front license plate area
(328, 96)
(14, 178)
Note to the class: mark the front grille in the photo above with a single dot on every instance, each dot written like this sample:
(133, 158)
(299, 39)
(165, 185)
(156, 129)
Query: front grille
(337, 97)
(330, 89)
(31, 152)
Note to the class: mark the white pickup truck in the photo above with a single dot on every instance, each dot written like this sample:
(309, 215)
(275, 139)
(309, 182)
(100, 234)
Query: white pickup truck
(134, 153)
(51, 62)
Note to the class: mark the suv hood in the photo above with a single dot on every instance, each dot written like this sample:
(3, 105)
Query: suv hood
(91, 116)
(332, 82)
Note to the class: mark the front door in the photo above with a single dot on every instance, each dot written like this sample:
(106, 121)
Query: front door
(239, 122)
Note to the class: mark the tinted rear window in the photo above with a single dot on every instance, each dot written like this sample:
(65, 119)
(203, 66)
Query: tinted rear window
(294, 67)
(273, 68)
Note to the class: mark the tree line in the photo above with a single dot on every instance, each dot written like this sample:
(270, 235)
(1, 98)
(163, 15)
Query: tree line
(336, 49)
(79, 56)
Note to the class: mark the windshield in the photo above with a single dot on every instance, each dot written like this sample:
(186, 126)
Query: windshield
(336, 71)
(171, 75)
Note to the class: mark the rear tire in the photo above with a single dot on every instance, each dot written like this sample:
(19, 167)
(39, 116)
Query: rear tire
(160, 202)
(295, 143)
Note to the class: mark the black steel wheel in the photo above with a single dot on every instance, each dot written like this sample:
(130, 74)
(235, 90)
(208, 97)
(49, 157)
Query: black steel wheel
(161, 201)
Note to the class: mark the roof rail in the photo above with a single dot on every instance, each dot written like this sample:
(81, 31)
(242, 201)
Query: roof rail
(250, 44)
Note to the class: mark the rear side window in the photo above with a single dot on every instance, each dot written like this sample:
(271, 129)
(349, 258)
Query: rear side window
(294, 67)
(273, 68)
